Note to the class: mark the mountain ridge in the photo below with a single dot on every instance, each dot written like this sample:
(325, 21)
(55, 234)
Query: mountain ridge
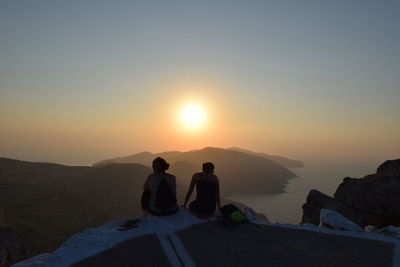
(238, 171)
(146, 157)
(286, 162)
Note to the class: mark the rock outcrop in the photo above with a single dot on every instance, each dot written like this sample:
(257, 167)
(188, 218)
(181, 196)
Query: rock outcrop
(377, 193)
(373, 199)
(317, 201)
(390, 168)
(334, 220)
(12, 249)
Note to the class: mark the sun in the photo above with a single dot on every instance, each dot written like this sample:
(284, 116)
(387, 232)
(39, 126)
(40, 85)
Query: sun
(192, 115)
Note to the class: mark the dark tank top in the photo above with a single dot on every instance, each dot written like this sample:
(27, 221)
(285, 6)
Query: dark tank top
(206, 197)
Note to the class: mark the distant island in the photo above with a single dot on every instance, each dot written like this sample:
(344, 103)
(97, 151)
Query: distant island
(145, 158)
(239, 170)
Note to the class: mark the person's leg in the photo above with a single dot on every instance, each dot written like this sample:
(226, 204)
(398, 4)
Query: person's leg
(167, 213)
(194, 208)
(197, 210)
(145, 202)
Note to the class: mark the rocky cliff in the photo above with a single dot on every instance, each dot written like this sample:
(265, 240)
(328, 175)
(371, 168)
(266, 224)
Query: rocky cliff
(12, 249)
(373, 199)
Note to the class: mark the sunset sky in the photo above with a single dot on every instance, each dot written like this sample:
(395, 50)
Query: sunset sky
(82, 81)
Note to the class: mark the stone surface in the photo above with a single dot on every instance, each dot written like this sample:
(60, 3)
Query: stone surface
(381, 220)
(390, 168)
(141, 251)
(248, 245)
(317, 201)
(12, 249)
(377, 193)
(42, 260)
(184, 240)
(391, 231)
(335, 220)
(373, 199)
(374, 194)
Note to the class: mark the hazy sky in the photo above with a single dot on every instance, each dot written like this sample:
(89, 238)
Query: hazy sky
(81, 81)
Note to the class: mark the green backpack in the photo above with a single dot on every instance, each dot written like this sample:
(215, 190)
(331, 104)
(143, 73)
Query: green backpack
(233, 214)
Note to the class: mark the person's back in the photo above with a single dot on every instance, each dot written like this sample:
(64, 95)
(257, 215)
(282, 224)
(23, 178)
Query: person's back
(159, 196)
(207, 191)
(163, 198)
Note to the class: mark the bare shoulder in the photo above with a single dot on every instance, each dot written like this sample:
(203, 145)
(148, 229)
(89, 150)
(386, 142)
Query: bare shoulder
(171, 176)
(197, 176)
(215, 178)
(150, 177)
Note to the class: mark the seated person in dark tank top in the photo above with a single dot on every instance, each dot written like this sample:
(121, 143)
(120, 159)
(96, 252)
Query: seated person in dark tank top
(207, 189)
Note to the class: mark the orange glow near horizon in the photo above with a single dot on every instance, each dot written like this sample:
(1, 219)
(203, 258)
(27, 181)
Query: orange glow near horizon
(184, 116)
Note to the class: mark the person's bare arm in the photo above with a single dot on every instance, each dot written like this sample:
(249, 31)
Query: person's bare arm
(190, 191)
(218, 196)
(147, 184)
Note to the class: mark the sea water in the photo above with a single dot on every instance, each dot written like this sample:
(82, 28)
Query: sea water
(322, 175)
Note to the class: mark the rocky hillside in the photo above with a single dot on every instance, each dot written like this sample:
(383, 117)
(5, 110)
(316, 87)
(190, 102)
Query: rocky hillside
(36, 204)
(286, 162)
(145, 158)
(45, 203)
(12, 248)
(372, 200)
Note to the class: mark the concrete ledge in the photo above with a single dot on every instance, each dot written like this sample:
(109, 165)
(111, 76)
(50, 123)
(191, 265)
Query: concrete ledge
(248, 245)
(140, 251)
